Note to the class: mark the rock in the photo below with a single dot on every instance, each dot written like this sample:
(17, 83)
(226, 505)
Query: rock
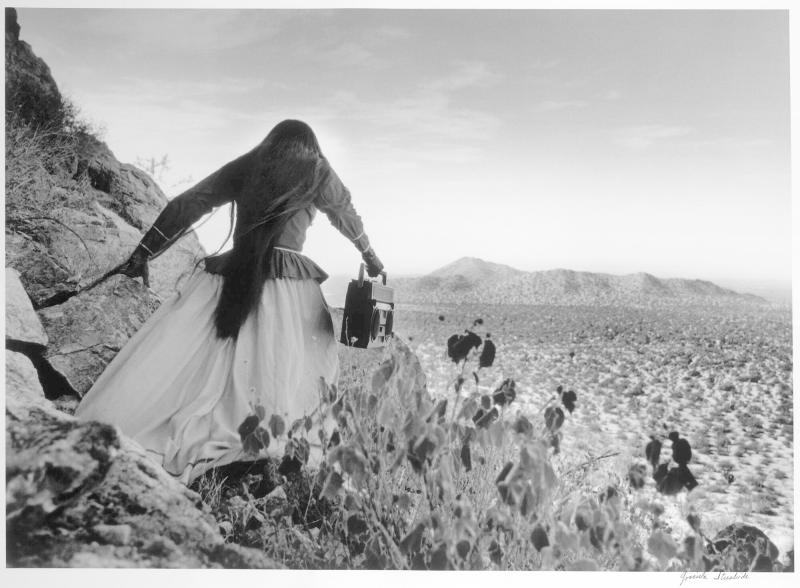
(739, 547)
(12, 26)
(22, 323)
(67, 404)
(81, 239)
(161, 547)
(88, 330)
(81, 494)
(25, 69)
(170, 271)
(123, 188)
(50, 462)
(23, 390)
(80, 218)
(113, 534)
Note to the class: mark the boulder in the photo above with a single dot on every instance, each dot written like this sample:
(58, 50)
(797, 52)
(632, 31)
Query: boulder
(74, 244)
(88, 330)
(123, 188)
(741, 548)
(78, 241)
(23, 389)
(22, 323)
(81, 494)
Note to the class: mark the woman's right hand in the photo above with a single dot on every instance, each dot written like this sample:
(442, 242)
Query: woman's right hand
(136, 266)
(374, 265)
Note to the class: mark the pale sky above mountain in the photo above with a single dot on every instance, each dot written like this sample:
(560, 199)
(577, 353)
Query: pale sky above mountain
(610, 141)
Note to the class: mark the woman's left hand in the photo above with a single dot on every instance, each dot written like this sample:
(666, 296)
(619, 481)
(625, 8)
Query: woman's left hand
(374, 265)
(136, 267)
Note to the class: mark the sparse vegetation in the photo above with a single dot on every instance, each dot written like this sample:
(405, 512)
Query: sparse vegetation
(417, 479)
(44, 134)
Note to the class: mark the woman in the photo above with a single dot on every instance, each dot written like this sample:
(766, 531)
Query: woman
(252, 329)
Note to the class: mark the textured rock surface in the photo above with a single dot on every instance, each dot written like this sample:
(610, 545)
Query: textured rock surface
(22, 323)
(70, 228)
(23, 390)
(21, 62)
(743, 547)
(88, 330)
(79, 240)
(79, 494)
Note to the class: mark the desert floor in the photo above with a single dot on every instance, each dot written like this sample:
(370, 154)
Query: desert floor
(722, 377)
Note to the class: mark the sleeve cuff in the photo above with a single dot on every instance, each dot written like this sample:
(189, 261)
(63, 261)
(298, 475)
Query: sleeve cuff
(362, 243)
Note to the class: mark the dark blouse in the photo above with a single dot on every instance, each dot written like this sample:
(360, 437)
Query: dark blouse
(287, 261)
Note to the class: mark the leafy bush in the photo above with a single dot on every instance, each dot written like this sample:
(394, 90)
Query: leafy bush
(460, 481)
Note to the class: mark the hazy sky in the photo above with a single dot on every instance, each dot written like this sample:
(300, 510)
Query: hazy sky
(593, 140)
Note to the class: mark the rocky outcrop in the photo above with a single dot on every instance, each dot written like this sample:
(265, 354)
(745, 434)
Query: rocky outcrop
(22, 324)
(67, 225)
(88, 330)
(23, 66)
(88, 214)
(80, 238)
(81, 495)
(12, 26)
(121, 187)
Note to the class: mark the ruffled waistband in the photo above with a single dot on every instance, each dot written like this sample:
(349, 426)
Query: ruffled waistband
(284, 263)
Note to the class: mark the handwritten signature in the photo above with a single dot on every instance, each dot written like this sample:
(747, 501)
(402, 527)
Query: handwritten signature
(689, 576)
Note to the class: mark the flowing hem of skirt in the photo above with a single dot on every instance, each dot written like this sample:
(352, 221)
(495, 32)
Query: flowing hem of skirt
(182, 393)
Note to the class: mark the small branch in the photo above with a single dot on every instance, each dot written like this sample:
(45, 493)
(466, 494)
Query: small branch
(590, 462)
(390, 543)
(66, 226)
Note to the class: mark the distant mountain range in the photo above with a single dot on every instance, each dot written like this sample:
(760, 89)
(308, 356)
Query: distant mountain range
(473, 280)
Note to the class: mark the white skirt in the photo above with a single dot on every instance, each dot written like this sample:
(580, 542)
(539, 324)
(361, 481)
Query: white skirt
(182, 392)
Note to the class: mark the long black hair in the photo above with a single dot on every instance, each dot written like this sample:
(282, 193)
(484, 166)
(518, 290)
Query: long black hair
(286, 171)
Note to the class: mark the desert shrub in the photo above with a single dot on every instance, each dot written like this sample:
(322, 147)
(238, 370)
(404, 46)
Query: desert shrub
(44, 134)
(37, 161)
(409, 482)
(457, 478)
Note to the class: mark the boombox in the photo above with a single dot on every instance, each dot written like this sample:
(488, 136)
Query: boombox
(368, 312)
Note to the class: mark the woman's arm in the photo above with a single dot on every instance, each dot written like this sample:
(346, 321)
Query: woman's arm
(186, 209)
(183, 211)
(334, 200)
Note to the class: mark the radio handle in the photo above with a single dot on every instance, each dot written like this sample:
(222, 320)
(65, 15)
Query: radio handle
(363, 268)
